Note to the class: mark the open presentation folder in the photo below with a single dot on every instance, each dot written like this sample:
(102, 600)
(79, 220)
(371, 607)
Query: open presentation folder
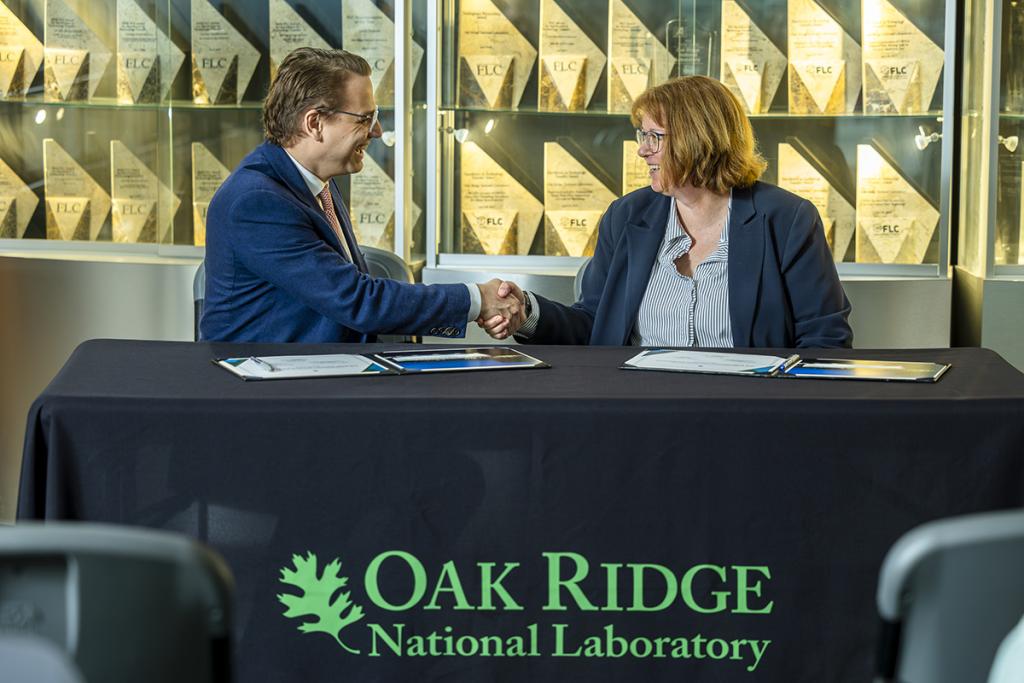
(384, 363)
(710, 362)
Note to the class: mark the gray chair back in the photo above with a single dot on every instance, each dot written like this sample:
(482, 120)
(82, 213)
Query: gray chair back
(198, 297)
(124, 604)
(948, 593)
(386, 264)
(577, 284)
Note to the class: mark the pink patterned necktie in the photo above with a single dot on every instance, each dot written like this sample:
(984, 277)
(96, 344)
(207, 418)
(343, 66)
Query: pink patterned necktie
(332, 218)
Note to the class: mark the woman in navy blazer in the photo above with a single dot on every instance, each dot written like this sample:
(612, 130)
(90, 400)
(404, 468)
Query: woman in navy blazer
(782, 287)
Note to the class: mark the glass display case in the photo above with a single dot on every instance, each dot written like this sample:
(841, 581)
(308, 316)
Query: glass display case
(532, 101)
(121, 118)
(989, 275)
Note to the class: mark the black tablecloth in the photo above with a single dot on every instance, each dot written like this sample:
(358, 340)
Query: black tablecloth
(789, 491)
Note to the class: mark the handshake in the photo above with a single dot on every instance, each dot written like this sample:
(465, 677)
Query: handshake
(502, 308)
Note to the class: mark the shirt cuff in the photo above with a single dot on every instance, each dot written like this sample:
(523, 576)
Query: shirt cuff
(527, 329)
(475, 302)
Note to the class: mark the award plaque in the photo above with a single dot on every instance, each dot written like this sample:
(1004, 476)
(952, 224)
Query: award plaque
(570, 62)
(574, 201)
(635, 171)
(288, 30)
(499, 215)
(895, 221)
(752, 66)
(824, 62)
(143, 207)
(368, 32)
(636, 58)
(17, 203)
(76, 205)
(372, 206)
(901, 64)
(74, 57)
(495, 60)
(207, 175)
(21, 53)
(223, 61)
(804, 174)
(147, 61)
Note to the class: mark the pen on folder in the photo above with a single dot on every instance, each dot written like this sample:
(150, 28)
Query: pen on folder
(263, 363)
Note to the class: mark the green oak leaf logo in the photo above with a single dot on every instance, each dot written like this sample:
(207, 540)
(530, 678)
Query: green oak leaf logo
(321, 598)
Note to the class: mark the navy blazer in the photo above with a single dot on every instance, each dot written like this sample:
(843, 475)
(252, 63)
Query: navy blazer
(784, 291)
(276, 271)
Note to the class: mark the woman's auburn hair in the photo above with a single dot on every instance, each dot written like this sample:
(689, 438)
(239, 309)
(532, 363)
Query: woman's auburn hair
(709, 141)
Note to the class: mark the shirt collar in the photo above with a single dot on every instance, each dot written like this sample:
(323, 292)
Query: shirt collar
(315, 185)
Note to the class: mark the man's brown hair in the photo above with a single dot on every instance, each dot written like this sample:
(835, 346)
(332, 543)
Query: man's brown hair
(308, 78)
(709, 141)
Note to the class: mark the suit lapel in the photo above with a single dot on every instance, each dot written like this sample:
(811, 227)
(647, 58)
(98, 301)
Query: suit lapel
(643, 237)
(289, 175)
(746, 259)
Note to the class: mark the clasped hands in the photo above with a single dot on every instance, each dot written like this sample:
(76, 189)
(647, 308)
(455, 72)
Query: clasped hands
(502, 309)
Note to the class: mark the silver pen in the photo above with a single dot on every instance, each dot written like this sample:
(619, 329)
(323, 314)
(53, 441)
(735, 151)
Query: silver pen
(260, 361)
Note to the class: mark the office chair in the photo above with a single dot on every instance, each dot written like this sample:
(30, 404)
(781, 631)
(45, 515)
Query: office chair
(198, 297)
(386, 264)
(577, 283)
(123, 604)
(948, 593)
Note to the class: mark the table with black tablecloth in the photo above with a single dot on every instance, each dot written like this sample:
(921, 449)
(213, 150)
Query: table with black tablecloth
(575, 523)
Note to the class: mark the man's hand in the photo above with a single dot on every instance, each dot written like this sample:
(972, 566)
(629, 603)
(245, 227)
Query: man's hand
(499, 326)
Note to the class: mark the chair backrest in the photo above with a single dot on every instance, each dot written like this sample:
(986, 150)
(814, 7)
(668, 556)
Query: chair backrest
(124, 604)
(948, 593)
(577, 284)
(383, 263)
(387, 264)
(198, 297)
(31, 658)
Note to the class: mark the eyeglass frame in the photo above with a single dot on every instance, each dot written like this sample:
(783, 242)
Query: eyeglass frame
(642, 138)
(373, 118)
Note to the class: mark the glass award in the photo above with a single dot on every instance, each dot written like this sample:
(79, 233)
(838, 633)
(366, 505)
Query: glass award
(901, 64)
(895, 220)
(1020, 232)
(207, 175)
(372, 206)
(143, 208)
(368, 32)
(495, 59)
(288, 31)
(147, 61)
(635, 171)
(21, 53)
(570, 63)
(499, 215)
(17, 203)
(805, 174)
(1012, 67)
(223, 61)
(76, 205)
(74, 57)
(692, 46)
(752, 66)
(824, 62)
(636, 58)
(574, 201)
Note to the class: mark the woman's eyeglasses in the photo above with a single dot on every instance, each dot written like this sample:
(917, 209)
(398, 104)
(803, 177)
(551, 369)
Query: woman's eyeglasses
(650, 139)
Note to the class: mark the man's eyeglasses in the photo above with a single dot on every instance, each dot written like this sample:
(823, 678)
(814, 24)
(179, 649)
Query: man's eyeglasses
(373, 119)
(649, 138)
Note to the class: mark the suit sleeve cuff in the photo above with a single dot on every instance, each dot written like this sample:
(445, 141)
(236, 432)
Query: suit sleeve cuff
(475, 302)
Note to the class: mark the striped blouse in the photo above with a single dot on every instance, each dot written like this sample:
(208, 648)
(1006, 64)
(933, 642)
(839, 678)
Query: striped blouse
(682, 311)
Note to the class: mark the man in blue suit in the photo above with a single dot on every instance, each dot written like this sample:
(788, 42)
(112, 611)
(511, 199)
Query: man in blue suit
(282, 262)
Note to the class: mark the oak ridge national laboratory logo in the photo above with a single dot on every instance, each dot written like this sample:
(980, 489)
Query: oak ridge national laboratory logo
(577, 596)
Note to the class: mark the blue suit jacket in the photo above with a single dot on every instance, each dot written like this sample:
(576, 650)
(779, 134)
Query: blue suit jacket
(276, 271)
(784, 291)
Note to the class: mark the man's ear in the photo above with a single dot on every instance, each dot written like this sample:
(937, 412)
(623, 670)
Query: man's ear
(312, 124)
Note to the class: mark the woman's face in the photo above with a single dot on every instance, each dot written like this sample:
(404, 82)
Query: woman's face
(650, 156)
